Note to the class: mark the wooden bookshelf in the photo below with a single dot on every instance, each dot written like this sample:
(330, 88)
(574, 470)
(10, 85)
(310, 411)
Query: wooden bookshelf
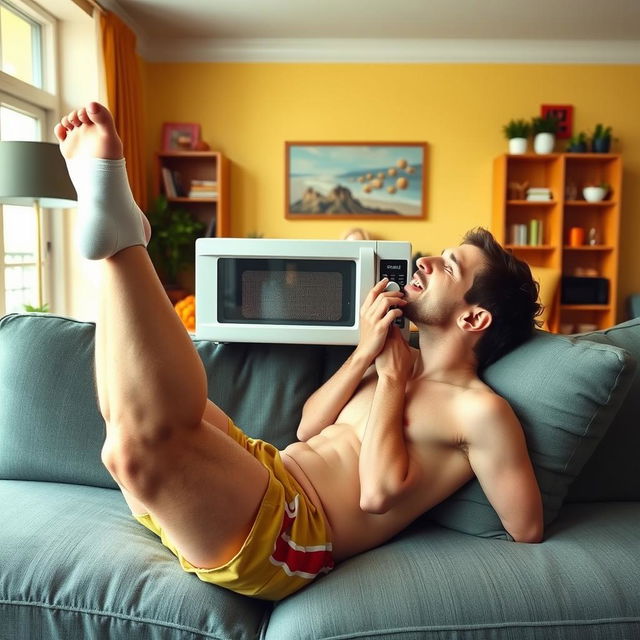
(186, 166)
(565, 175)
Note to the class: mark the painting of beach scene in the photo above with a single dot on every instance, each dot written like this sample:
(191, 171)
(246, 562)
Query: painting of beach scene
(355, 180)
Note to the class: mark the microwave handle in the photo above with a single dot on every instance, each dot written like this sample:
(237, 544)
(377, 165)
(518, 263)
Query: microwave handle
(368, 275)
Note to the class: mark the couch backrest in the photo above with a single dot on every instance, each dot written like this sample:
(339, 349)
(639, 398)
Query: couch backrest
(51, 428)
(50, 425)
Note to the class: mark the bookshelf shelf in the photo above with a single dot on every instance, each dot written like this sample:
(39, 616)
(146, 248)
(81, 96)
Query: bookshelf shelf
(586, 307)
(194, 200)
(530, 247)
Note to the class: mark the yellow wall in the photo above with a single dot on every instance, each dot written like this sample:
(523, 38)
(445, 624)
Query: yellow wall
(248, 110)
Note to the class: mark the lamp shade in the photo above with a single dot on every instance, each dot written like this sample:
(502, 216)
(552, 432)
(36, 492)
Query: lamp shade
(34, 172)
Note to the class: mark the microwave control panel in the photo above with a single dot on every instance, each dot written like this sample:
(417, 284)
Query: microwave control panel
(396, 271)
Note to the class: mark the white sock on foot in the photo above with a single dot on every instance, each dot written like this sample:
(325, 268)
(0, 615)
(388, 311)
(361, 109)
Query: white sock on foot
(109, 219)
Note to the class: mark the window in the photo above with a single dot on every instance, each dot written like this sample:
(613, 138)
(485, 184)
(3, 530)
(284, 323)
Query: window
(19, 224)
(24, 107)
(21, 45)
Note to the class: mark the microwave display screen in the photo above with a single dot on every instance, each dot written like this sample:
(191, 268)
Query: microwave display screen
(286, 291)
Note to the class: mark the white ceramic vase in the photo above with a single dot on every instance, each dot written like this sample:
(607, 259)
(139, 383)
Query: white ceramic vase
(544, 142)
(517, 146)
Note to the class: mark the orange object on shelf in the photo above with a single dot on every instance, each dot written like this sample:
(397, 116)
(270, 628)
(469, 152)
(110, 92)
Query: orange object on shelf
(576, 236)
(186, 310)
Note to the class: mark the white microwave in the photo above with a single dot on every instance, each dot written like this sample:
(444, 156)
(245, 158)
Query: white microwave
(291, 291)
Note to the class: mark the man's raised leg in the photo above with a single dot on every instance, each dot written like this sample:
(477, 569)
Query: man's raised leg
(166, 444)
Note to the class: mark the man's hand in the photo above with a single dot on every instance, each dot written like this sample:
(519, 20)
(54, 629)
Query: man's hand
(378, 312)
(395, 360)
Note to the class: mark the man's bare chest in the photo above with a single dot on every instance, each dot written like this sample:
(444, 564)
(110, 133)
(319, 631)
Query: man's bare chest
(430, 417)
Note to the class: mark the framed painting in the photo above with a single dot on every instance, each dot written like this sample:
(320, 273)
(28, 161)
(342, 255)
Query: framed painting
(180, 136)
(564, 115)
(355, 180)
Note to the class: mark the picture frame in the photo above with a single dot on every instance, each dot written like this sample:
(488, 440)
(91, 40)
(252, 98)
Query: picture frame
(564, 114)
(180, 136)
(355, 180)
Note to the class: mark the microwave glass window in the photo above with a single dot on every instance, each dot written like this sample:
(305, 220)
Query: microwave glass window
(296, 292)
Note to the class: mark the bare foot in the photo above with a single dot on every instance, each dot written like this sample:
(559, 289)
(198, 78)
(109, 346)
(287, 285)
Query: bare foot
(89, 132)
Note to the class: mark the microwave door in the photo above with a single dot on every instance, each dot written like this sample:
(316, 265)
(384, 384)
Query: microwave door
(287, 294)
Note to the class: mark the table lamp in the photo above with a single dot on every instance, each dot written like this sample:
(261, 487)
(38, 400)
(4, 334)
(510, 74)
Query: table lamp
(35, 174)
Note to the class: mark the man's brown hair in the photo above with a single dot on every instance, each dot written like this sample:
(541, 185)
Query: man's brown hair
(505, 288)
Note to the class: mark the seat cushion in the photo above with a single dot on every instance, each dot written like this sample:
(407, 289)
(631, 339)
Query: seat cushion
(582, 583)
(75, 564)
(566, 392)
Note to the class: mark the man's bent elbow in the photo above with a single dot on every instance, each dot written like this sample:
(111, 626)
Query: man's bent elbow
(530, 536)
(376, 504)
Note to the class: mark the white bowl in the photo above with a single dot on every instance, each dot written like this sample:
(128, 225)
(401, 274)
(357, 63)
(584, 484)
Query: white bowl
(594, 194)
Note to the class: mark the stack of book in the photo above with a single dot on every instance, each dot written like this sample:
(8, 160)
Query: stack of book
(203, 189)
(530, 235)
(539, 194)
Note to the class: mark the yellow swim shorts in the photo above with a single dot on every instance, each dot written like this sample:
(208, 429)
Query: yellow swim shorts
(288, 545)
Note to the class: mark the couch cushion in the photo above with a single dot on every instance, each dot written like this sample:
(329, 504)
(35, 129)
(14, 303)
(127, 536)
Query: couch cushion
(263, 386)
(612, 472)
(582, 583)
(47, 382)
(565, 391)
(75, 564)
(50, 425)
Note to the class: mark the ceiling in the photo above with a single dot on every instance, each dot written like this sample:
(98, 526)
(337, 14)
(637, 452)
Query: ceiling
(306, 25)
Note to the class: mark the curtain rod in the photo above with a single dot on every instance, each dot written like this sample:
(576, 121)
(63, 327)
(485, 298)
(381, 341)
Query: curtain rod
(89, 6)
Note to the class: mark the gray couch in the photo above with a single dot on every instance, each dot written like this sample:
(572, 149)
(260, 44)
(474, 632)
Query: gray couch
(75, 565)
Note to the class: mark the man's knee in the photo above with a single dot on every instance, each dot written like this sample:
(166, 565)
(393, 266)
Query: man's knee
(134, 463)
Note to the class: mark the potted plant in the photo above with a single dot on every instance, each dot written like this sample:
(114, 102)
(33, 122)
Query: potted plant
(517, 132)
(172, 244)
(601, 139)
(578, 143)
(544, 131)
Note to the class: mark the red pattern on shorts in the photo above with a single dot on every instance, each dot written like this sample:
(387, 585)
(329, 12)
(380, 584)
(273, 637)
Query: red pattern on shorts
(295, 559)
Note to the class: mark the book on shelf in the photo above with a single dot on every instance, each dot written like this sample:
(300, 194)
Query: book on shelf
(169, 185)
(203, 189)
(172, 183)
(539, 194)
(527, 235)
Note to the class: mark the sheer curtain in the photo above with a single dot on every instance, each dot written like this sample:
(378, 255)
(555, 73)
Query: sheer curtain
(124, 97)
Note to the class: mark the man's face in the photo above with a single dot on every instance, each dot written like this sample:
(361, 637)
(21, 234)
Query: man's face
(436, 291)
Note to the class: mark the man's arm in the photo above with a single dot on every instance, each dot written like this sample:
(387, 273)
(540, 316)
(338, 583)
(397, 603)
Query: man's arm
(498, 456)
(376, 315)
(386, 467)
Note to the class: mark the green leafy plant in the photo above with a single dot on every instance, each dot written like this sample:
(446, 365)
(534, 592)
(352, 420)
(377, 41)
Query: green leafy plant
(544, 124)
(31, 309)
(516, 129)
(578, 142)
(172, 244)
(601, 132)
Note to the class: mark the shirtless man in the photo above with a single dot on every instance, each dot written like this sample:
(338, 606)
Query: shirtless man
(394, 432)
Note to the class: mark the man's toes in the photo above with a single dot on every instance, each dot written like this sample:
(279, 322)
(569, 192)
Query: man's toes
(60, 131)
(99, 114)
(73, 118)
(83, 117)
(65, 123)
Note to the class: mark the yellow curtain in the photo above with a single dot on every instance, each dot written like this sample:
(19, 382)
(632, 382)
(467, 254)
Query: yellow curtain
(124, 97)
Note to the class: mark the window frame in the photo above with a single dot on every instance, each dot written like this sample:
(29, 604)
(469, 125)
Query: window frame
(42, 103)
